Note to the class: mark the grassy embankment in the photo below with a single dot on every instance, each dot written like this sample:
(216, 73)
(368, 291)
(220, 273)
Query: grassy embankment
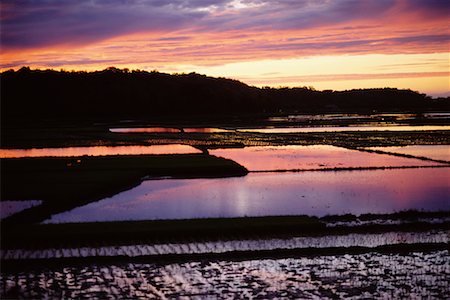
(65, 183)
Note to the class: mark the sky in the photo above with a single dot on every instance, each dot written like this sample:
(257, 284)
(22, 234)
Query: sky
(326, 44)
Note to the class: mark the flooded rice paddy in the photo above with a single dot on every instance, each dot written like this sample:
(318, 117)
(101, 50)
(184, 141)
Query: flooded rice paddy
(344, 128)
(9, 208)
(168, 130)
(369, 275)
(273, 158)
(207, 247)
(437, 152)
(145, 130)
(205, 130)
(379, 221)
(98, 151)
(362, 117)
(316, 193)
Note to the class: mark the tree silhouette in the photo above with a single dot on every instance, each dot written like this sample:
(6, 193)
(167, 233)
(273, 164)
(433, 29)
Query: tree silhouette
(121, 93)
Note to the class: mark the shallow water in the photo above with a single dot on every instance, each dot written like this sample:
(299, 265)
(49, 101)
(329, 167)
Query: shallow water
(374, 117)
(328, 117)
(271, 158)
(98, 151)
(9, 208)
(371, 276)
(316, 193)
(438, 152)
(145, 130)
(167, 130)
(344, 128)
(204, 130)
(350, 240)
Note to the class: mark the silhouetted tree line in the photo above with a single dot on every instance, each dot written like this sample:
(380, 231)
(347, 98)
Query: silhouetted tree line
(121, 93)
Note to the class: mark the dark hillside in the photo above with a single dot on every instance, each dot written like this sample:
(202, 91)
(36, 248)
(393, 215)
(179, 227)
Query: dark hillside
(115, 93)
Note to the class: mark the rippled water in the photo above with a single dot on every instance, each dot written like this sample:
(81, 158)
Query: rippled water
(267, 194)
(332, 241)
(438, 152)
(270, 158)
(98, 151)
(370, 275)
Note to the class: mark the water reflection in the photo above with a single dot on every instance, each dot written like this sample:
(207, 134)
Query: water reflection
(204, 130)
(270, 158)
(344, 128)
(438, 152)
(265, 194)
(328, 117)
(437, 115)
(98, 151)
(9, 208)
(357, 276)
(374, 117)
(145, 130)
(182, 247)
(168, 130)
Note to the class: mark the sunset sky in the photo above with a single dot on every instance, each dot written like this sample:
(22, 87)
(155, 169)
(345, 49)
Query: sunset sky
(328, 44)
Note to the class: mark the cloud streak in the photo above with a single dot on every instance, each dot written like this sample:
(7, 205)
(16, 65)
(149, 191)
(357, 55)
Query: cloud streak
(37, 24)
(173, 35)
(32, 24)
(346, 77)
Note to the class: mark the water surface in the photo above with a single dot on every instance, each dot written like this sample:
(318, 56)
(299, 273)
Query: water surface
(146, 130)
(98, 151)
(168, 130)
(9, 207)
(204, 130)
(344, 128)
(360, 117)
(271, 158)
(438, 152)
(362, 276)
(370, 240)
(316, 193)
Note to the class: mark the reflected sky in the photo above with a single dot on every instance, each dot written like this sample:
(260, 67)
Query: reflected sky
(438, 152)
(167, 130)
(265, 194)
(204, 130)
(8, 208)
(344, 128)
(146, 130)
(334, 117)
(98, 151)
(270, 158)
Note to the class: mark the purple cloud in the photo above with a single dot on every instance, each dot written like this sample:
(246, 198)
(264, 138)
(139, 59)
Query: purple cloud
(34, 24)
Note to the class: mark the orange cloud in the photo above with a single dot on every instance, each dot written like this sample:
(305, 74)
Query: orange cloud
(183, 36)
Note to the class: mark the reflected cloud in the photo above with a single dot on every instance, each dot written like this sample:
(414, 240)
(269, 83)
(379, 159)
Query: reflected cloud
(270, 194)
(273, 158)
(99, 151)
